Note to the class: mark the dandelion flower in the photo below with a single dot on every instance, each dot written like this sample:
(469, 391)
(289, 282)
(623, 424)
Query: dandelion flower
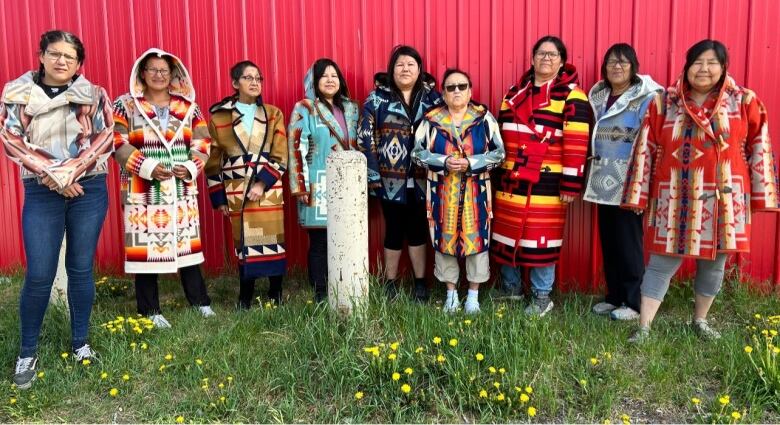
(408, 371)
(229, 379)
(12, 400)
(436, 340)
(392, 356)
(583, 382)
(736, 415)
(144, 346)
(64, 355)
(162, 367)
(491, 369)
(204, 387)
(502, 370)
(169, 357)
(757, 316)
(41, 374)
(695, 400)
(406, 388)
(500, 397)
(607, 421)
(531, 411)
(221, 385)
(419, 350)
(222, 399)
(529, 390)
(524, 398)
(626, 419)
(467, 322)
(594, 361)
(724, 400)
(480, 357)
(358, 395)
(125, 377)
(198, 362)
(396, 376)
(499, 315)
(113, 392)
(497, 385)
(180, 419)
(103, 375)
(748, 349)
(394, 346)
(133, 345)
(483, 394)
(440, 358)
(453, 342)
(775, 350)
(86, 362)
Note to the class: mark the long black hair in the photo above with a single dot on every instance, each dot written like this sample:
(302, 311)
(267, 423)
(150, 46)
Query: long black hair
(697, 49)
(318, 70)
(55, 36)
(621, 50)
(397, 52)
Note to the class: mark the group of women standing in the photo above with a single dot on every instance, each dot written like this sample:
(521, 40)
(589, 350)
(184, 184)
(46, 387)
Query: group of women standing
(696, 156)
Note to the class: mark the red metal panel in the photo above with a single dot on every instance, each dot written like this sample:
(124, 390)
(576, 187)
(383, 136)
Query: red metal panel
(490, 40)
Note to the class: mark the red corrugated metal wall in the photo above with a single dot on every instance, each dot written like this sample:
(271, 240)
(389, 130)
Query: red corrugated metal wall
(489, 39)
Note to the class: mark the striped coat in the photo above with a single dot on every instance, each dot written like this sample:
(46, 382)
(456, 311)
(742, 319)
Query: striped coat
(530, 231)
(161, 218)
(700, 171)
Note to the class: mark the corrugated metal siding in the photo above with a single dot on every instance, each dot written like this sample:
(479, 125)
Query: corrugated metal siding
(492, 44)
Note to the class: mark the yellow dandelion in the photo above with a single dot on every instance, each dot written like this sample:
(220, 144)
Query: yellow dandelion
(41, 374)
(724, 400)
(358, 395)
(221, 385)
(607, 422)
(396, 376)
(531, 411)
(736, 415)
(144, 346)
(480, 357)
(440, 358)
(436, 340)
(483, 394)
(502, 370)
(491, 369)
(392, 356)
(626, 419)
(524, 398)
(309, 302)
(198, 362)
(103, 375)
(419, 350)
(608, 356)
(180, 419)
(406, 388)
(64, 355)
(497, 385)
(453, 342)
(12, 400)
(113, 392)
(594, 361)
(467, 322)
(775, 350)
(499, 315)
(583, 382)
(695, 400)
(229, 379)
(204, 387)
(408, 371)
(222, 399)
(757, 316)
(748, 349)
(162, 367)
(773, 332)
(125, 377)
(500, 397)
(133, 345)
(169, 357)
(394, 346)
(529, 390)
(86, 362)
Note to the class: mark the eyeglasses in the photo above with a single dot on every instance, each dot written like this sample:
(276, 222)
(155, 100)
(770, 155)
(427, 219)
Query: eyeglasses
(161, 72)
(55, 56)
(249, 79)
(552, 55)
(451, 88)
(615, 63)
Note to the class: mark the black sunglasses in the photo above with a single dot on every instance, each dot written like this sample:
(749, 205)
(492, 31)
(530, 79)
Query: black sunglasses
(451, 88)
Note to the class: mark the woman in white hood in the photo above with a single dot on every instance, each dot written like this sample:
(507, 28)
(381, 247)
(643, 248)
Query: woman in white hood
(162, 143)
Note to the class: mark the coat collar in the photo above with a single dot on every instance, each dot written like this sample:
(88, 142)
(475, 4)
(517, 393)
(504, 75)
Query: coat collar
(440, 118)
(706, 120)
(250, 142)
(347, 141)
(25, 91)
(600, 93)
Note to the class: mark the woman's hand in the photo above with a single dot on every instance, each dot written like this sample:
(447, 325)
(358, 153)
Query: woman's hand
(457, 165)
(160, 173)
(304, 198)
(49, 182)
(224, 210)
(256, 191)
(73, 191)
(182, 173)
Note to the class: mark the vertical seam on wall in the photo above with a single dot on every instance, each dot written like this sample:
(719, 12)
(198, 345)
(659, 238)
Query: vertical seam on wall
(217, 62)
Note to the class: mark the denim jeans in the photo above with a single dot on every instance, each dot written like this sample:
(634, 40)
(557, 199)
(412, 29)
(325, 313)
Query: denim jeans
(46, 217)
(542, 279)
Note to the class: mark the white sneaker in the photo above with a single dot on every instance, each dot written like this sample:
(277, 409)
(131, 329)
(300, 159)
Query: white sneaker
(624, 313)
(603, 308)
(451, 305)
(471, 307)
(84, 353)
(159, 321)
(206, 311)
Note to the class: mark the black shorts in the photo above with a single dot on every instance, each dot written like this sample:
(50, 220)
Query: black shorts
(405, 221)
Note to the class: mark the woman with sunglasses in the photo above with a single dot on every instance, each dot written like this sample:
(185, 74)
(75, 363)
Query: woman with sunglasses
(162, 144)
(324, 122)
(57, 127)
(386, 134)
(545, 124)
(248, 158)
(620, 101)
(459, 143)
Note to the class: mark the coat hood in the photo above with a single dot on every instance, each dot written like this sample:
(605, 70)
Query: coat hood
(25, 91)
(600, 92)
(181, 83)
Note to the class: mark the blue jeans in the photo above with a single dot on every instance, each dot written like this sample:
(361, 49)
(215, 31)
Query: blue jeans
(46, 217)
(542, 279)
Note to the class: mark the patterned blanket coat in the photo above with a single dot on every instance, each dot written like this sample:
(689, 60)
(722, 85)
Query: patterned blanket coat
(161, 218)
(237, 161)
(66, 138)
(613, 137)
(386, 137)
(701, 170)
(313, 134)
(529, 232)
(459, 204)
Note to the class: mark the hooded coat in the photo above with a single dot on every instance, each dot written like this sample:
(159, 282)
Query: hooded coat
(66, 137)
(459, 204)
(702, 170)
(529, 232)
(613, 137)
(386, 137)
(238, 160)
(161, 218)
(313, 134)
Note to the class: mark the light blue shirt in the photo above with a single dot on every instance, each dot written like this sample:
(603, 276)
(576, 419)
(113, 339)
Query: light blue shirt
(248, 115)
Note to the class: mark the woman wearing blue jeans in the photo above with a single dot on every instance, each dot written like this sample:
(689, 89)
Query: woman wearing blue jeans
(58, 127)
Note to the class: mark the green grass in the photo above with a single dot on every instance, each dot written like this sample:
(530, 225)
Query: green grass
(298, 363)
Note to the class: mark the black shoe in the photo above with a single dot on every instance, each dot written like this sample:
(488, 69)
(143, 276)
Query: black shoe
(391, 290)
(421, 292)
(320, 294)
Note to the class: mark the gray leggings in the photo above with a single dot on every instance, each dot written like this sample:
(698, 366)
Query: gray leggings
(661, 268)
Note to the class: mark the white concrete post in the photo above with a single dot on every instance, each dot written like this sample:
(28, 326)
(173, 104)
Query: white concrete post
(347, 210)
(59, 291)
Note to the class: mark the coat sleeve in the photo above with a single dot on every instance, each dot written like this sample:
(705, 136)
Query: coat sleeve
(200, 145)
(367, 140)
(422, 154)
(299, 144)
(94, 144)
(273, 164)
(760, 158)
(213, 170)
(636, 189)
(129, 158)
(578, 119)
(495, 155)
